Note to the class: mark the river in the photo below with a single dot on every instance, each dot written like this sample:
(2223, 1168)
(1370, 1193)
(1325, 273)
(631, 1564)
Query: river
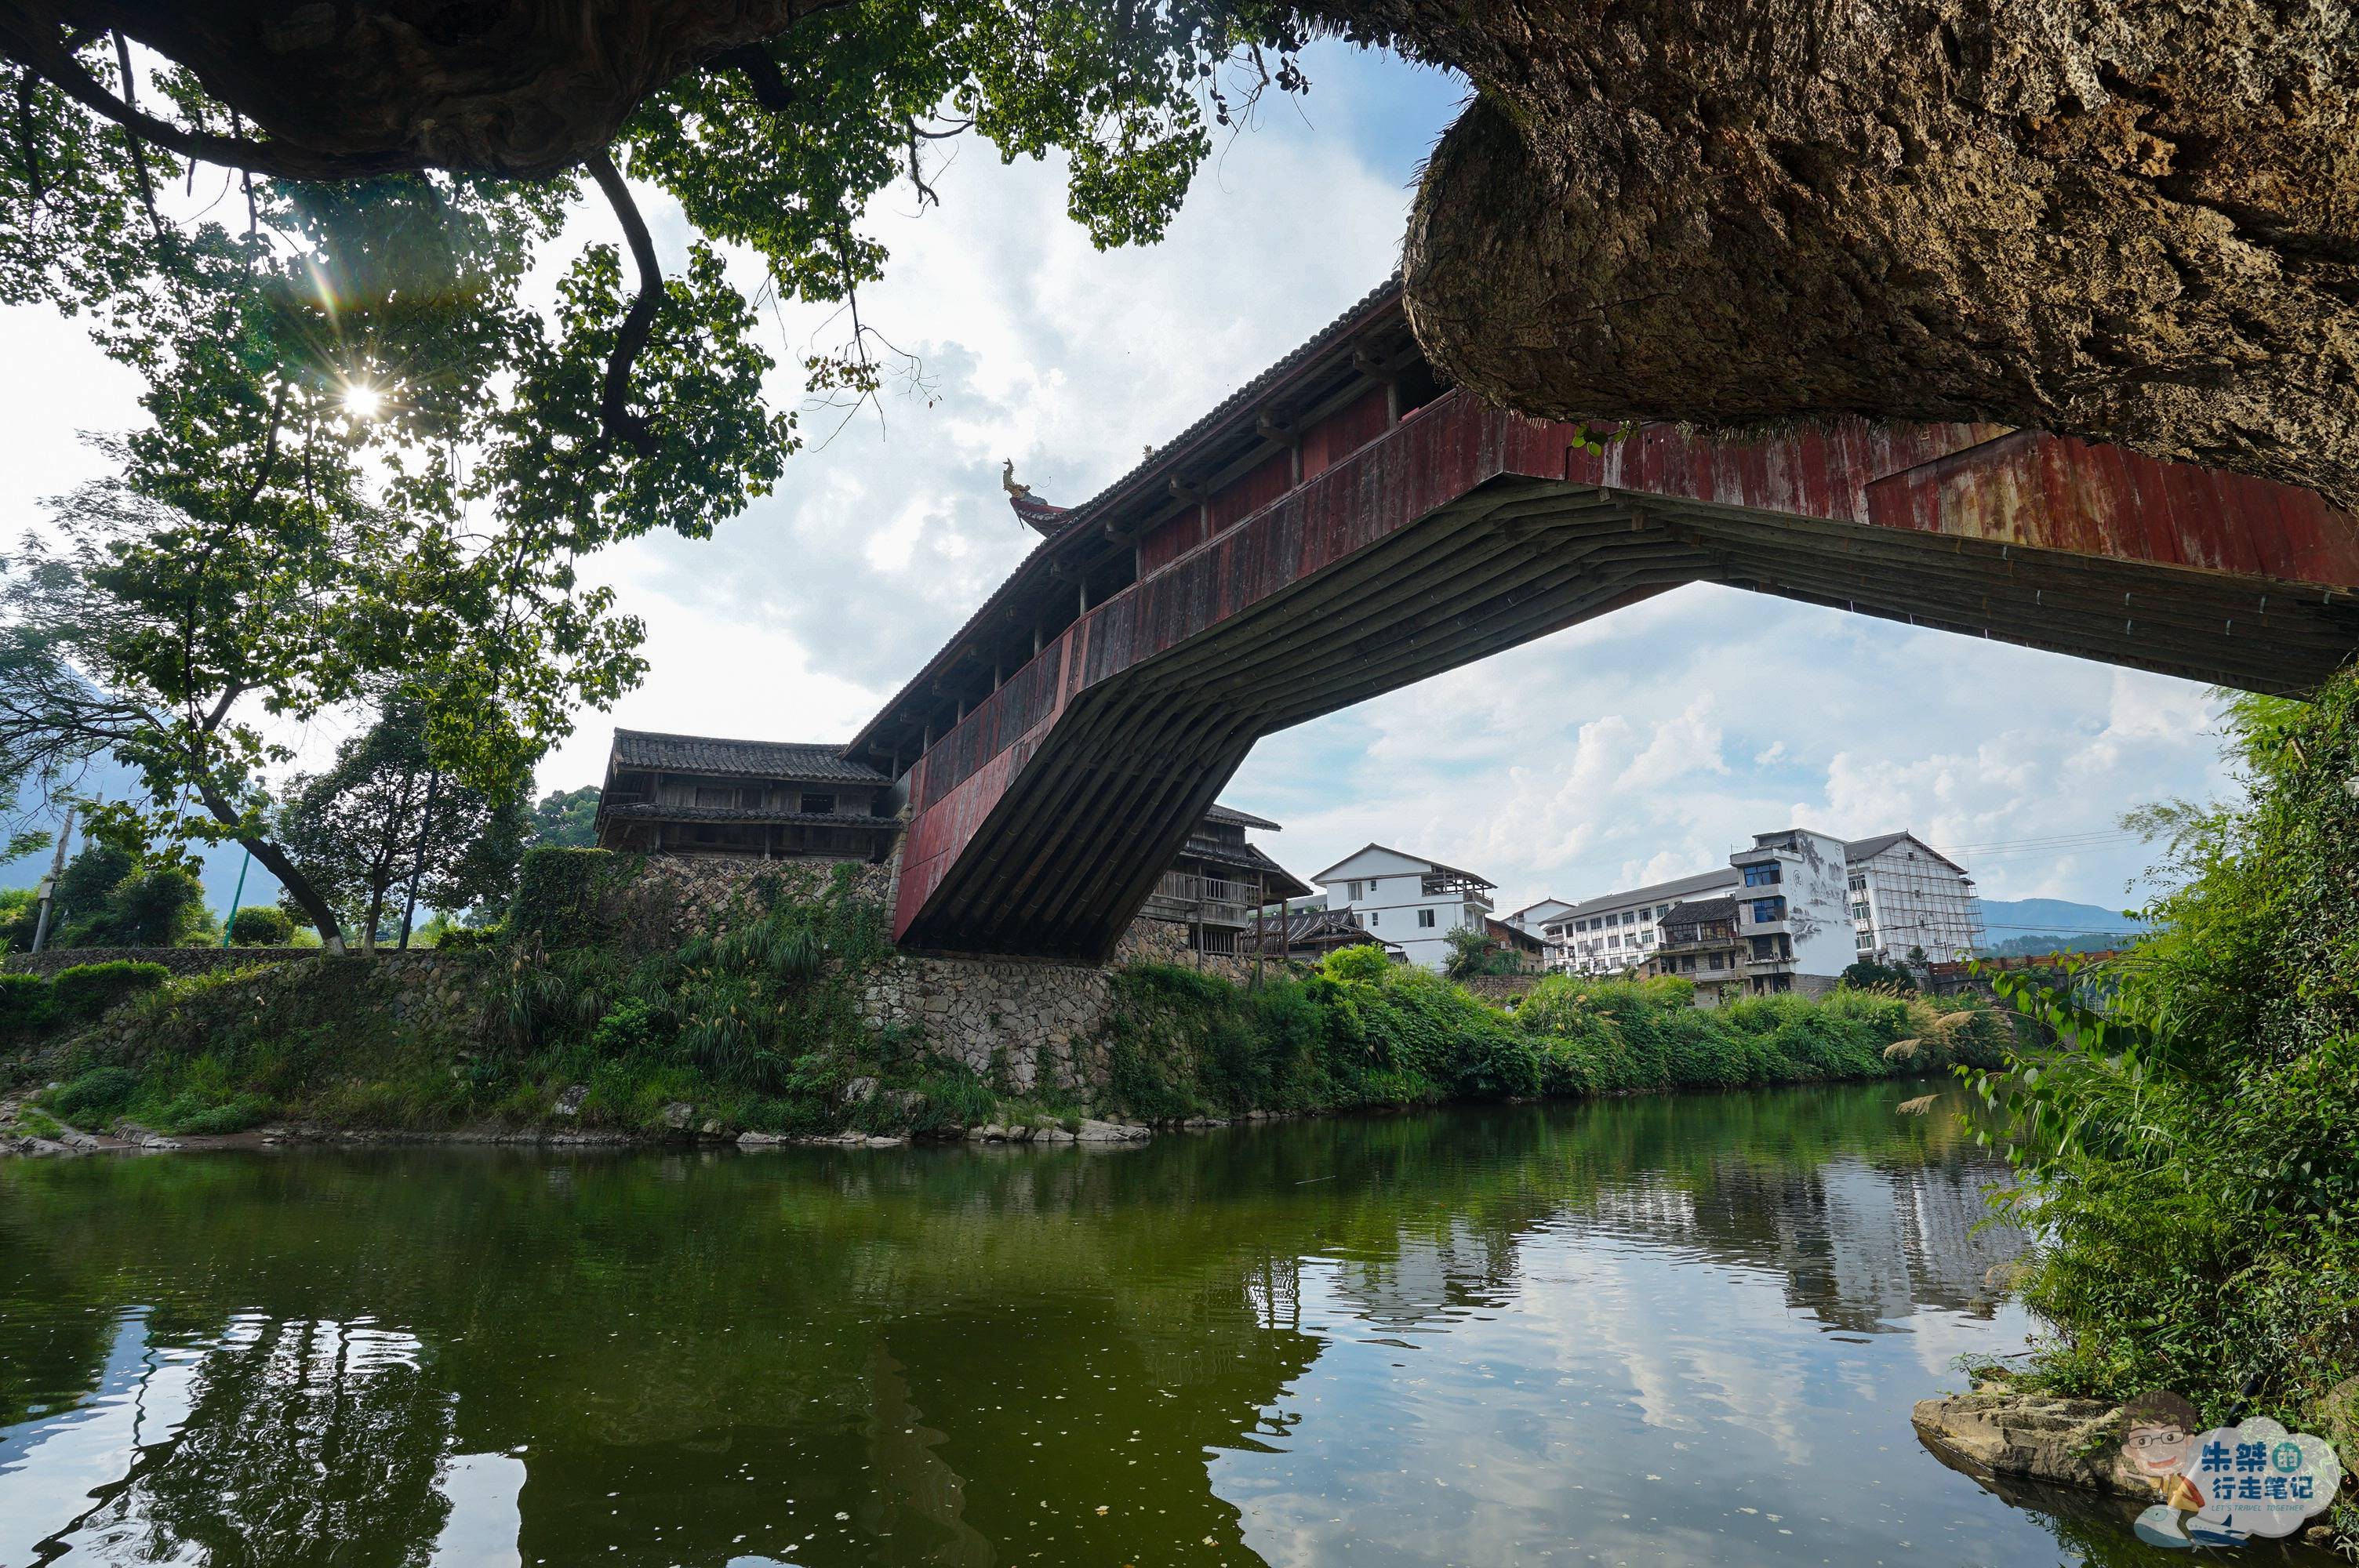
(1667, 1330)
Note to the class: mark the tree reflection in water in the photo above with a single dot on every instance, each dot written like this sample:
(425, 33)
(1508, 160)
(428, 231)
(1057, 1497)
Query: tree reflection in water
(951, 1356)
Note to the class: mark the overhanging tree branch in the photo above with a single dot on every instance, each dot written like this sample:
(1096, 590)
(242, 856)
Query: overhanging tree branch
(614, 403)
(59, 67)
(131, 139)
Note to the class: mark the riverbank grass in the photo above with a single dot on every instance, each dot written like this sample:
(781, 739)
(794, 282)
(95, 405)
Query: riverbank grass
(1362, 1032)
(586, 1015)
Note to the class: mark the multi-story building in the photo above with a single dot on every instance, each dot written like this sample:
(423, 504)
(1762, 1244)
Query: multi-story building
(1904, 895)
(1533, 918)
(1793, 911)
(1406, 901)
(1616, 932)
(1699, 943)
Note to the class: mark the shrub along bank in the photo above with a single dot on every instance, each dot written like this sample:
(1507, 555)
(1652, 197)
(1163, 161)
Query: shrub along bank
(1364, 1033)
(2190, 1144)
(587, 1013)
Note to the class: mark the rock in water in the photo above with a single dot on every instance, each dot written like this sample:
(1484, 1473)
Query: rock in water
(2129, 221)
(2034, 1437)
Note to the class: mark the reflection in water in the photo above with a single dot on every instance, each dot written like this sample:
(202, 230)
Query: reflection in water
(1682, 1330)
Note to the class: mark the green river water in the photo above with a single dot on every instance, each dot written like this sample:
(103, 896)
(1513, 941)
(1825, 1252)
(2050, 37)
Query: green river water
(1673, 1330)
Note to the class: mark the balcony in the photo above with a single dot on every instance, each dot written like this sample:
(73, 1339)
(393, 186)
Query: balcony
(1204, 900)
(1721, 933)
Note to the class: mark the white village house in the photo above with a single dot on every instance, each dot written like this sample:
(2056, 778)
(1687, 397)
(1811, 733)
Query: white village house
(1793, 911)
(1904, 894)
(1408, 900)
(1806, 905)
(1615, 931)
(1533, 918)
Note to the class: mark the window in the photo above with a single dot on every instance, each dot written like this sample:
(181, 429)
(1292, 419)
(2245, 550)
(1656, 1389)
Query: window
(1352, 891)
(1424, 917)
(1766, 910)
(1858, 883)
(1613, 942)
(819, 804)
(1763, 876)
(1580, 925)
(1661, 910)
(1717, 962)
(1859, 912)
(1864, 942)
(1373, 916)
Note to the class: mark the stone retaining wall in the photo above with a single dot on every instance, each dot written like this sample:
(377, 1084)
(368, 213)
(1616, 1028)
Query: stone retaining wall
(1025, 1024)
(1500, 990)
(700, 889)
(179, 960)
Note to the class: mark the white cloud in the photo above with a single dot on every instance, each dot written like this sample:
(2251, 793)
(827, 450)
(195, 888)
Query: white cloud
(1595, 757)
(1603, 752)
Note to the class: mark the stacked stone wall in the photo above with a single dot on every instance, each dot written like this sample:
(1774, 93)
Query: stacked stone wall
(179, 960)
(1026, 1026)
(1501, 989)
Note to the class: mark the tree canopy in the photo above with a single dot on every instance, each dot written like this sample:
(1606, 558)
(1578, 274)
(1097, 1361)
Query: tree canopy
(373, 457)
(567, 820)
(382, 821)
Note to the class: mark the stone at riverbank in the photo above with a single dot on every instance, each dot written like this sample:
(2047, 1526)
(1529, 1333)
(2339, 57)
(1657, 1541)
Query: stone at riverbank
(2005, 1439)
(2031, 1437)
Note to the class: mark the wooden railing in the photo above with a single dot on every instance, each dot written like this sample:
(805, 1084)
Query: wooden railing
(1213, 901)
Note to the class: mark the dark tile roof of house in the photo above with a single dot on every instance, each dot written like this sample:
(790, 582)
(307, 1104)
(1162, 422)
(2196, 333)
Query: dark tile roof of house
(801, 761)
(654, 811)
(1434, 867)
(1869, 848)
(1316, 927)
(1697, 911)
(1276, 880)
(1653, 892)
(1233, 817)
(1500, 931)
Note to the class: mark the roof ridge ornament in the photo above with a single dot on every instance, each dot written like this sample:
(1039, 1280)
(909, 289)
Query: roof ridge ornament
(1039, 515)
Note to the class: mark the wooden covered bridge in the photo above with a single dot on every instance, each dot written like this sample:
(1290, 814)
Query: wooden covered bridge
(1344, 525)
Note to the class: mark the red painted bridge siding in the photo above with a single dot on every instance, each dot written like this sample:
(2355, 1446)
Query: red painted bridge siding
(2054, 493)
(1967, 481)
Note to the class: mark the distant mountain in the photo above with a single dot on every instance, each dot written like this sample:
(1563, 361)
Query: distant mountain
(109, 779)
(2011, 922)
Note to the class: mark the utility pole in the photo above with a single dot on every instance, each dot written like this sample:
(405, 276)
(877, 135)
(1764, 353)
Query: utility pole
(236, 898)
(49, 884)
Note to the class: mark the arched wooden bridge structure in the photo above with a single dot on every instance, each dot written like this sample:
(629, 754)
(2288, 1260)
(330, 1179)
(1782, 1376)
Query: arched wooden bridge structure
(1343, 526)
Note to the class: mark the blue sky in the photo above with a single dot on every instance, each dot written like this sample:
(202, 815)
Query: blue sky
(1642, 746)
